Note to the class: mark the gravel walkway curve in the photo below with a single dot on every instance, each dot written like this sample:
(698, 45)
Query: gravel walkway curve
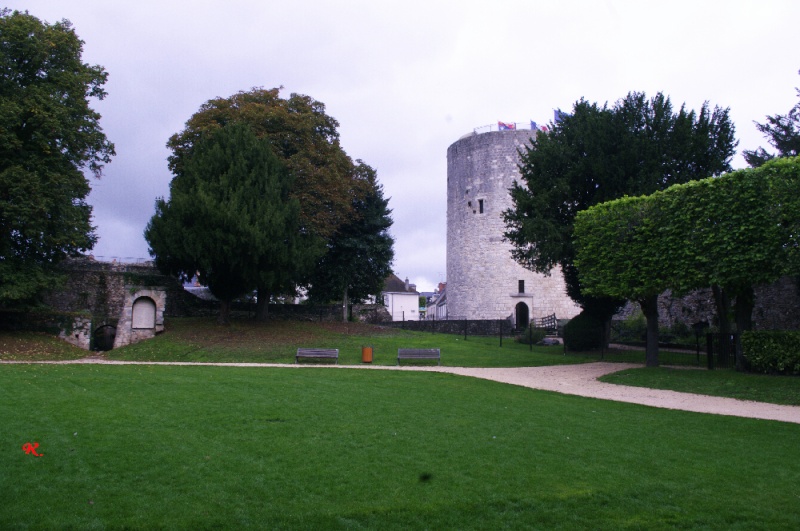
(580, 379)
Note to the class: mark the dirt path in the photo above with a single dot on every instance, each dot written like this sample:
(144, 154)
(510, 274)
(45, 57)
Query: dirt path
(578, 380)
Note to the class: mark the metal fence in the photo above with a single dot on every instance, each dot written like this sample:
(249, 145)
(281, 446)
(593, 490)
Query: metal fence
(721, 350)
(507, 126)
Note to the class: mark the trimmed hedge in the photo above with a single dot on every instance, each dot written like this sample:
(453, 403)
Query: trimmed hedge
(583, 332)
(772, 352)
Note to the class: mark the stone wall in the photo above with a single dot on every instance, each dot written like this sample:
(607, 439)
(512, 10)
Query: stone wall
(106, 291)
(483, 280)
(128, 330)
(777, 307)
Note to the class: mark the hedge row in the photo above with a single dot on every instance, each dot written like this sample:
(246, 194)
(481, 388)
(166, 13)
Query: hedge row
(583, 332)
(772, 352)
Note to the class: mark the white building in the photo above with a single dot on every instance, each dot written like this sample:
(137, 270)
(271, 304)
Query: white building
(401, 299)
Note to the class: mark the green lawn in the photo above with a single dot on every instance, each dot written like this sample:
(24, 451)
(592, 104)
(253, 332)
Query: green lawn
(201, 339)
(720, 382)
(145, 447)
(36, 346)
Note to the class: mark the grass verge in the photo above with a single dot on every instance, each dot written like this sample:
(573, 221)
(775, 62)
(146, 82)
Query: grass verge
(205, 447)
(36, 346)
(721, 382)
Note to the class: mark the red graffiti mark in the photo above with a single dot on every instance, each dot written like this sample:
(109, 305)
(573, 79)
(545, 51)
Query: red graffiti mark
(29, 448)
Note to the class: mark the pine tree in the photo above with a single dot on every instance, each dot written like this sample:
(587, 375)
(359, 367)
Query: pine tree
(782, 131)
(359, 255)
(230, 218)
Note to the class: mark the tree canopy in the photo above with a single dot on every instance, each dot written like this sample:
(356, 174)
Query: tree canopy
(328, 186)
(782, 131)
(230, 218)
(731, 232)
(301, 134)
(597, 154)
(48, 136)
(359, 255)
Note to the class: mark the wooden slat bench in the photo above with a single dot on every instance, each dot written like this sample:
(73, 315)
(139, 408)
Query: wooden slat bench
(317, 353)
(419, 354)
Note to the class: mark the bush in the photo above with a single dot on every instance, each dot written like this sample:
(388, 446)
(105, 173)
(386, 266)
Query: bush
(531, 335)
(772, 352)
(584, 332)
(633, 329)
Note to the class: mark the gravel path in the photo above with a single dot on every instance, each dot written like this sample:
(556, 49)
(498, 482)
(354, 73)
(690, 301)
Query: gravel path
(578, 380)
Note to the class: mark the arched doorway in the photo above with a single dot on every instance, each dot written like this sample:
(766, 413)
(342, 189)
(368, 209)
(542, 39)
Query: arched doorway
(143, 314)
(523, 315)
(104, 337)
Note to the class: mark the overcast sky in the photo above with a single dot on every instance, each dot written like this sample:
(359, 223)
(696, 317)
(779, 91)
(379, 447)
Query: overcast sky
(407, 79)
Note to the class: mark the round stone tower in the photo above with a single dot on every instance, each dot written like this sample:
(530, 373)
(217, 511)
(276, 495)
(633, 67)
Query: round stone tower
(483, 280)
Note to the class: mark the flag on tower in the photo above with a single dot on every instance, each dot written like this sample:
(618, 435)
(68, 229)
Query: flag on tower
(502, 126)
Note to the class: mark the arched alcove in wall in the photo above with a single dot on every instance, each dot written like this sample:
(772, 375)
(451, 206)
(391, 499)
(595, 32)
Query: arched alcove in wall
(523, 315)
(143, 314)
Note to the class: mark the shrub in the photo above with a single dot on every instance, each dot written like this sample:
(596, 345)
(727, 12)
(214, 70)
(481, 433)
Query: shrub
(633, 329)
(584, 332)
(772, 352)
(531, 335)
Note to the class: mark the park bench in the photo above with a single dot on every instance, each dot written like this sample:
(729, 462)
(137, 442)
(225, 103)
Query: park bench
(317, 353)
(418, 354)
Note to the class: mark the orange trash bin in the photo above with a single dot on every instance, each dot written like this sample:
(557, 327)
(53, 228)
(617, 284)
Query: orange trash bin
(366, 354)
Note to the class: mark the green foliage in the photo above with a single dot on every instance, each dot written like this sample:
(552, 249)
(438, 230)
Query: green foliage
(772, 352)
(583, 332)
(48, 136)
(617, 251)
(230, 218)
(631, 330)
(783, 134)
(359, 255)
(531, 335)
(597, 154)
(733, 232)
(303, 137)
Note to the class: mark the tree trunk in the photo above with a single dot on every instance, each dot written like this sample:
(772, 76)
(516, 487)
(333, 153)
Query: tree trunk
(723, 310)
(606, 332)
(262, 304)
(745, 301)
(224, 312)
(345, 304)
(650, 310)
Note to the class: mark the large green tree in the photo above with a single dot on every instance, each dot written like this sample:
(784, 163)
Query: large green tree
(230, 218)
(301, 134)
(359, 255)
(48, 136)
(782, 131)
(597, 154)
(306, 139)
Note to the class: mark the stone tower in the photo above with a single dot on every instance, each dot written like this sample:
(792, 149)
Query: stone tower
(483, 280)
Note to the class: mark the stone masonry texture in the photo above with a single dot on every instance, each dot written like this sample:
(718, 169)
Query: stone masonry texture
(482, 277)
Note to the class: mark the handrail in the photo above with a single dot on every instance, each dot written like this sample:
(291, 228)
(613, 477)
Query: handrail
(515, 126)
